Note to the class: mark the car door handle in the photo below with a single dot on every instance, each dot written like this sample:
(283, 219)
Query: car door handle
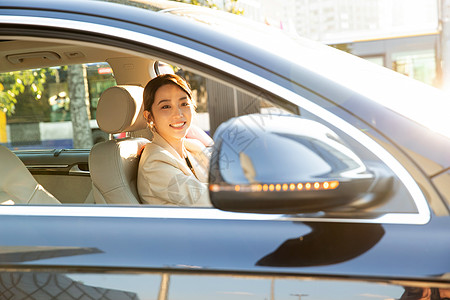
(76, 170)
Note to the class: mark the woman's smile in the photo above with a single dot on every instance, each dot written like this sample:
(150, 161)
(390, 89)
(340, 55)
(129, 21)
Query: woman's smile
(179, 125)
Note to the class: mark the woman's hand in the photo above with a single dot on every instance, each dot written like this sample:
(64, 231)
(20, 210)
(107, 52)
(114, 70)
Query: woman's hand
(195, 132)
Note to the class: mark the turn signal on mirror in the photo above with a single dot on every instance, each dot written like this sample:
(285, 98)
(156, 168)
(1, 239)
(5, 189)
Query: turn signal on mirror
(278, 187)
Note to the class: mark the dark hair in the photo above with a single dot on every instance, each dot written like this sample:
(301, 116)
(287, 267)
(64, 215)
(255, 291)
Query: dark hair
(159, 81)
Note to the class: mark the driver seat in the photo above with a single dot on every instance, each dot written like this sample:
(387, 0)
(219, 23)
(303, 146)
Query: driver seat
(113, 164)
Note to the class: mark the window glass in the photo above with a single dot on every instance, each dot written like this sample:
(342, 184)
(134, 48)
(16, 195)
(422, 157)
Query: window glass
(43, 285)
(250, 287)
(38, 113)
(420, 65)
(379, 60)
(218, 101)
(195, 285)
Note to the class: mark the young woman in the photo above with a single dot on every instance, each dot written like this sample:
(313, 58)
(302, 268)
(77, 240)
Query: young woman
(173, 169)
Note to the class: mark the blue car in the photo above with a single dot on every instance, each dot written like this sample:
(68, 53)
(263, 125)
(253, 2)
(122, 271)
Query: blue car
(329, 176)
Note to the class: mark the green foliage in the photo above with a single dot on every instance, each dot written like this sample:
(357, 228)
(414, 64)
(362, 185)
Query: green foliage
(23, 91)
(7, 100)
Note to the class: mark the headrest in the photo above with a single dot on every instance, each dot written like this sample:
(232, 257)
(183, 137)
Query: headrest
(120, 109)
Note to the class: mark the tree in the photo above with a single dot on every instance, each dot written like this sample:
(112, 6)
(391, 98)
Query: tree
(7, 100)
(24, 91)
(79, 106)
(24, 99)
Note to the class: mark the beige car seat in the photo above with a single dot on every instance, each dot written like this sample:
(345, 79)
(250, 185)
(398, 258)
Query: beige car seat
(113, 164)
(17, 185)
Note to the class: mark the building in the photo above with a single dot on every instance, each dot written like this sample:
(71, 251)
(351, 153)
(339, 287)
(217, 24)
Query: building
(402, 35)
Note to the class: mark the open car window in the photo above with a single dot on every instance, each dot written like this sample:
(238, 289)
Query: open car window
(343, 153)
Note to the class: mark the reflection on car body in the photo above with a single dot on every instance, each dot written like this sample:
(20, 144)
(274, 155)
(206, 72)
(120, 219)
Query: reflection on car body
(337, 244)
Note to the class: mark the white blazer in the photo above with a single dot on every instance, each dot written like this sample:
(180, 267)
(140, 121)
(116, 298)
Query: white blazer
(165, 179)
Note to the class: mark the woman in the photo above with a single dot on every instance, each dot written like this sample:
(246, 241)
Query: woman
(173, 169)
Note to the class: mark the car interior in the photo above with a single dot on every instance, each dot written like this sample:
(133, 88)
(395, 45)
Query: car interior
(105, 174)
(79, 175)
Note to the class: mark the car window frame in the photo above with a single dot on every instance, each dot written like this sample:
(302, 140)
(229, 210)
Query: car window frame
(239, 76)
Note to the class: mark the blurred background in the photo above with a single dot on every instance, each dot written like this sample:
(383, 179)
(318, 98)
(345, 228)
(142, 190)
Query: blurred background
(408, 36)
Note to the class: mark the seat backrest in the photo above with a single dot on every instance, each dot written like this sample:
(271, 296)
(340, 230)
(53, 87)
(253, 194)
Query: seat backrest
(17, 185)
(113, 164)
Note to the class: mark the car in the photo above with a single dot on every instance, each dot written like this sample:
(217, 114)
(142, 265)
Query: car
(329, 176)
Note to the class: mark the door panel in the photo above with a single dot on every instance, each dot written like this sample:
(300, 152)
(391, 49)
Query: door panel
(66, 188)
(63, 173)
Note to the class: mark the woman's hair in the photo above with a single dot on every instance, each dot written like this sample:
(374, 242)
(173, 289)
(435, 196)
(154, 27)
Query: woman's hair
(159, 81)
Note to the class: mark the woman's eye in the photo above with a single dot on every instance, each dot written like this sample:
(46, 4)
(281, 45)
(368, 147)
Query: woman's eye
(185, 104)
(165, 106)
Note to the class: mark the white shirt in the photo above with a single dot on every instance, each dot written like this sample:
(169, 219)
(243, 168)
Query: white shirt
(165, 179)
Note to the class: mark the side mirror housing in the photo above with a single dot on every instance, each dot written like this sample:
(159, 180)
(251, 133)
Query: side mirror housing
(286, 164)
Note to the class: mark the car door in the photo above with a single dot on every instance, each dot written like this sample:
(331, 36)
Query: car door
(398, 250)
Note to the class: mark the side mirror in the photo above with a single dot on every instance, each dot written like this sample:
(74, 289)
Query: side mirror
(286, 164)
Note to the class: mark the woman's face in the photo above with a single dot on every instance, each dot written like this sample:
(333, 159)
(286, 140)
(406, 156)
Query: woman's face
(172, 112)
